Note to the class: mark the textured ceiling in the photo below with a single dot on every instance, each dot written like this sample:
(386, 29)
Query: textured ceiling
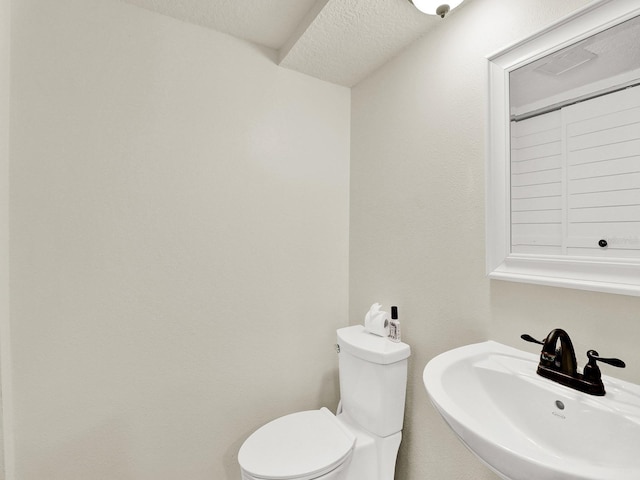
(265, 22)
(340, 41)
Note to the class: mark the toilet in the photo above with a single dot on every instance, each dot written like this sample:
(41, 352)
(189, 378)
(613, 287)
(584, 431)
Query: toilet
(361, 441)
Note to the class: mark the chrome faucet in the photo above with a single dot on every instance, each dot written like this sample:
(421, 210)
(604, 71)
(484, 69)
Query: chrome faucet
(558, 363)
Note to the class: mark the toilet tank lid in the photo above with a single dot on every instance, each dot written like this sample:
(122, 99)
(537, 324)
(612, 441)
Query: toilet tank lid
(370, 347)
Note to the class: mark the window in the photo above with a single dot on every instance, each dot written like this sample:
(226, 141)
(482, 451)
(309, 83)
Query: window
(575, 179)
(566, 211)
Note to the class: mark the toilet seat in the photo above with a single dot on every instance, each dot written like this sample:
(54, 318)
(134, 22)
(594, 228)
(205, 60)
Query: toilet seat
(300, 446)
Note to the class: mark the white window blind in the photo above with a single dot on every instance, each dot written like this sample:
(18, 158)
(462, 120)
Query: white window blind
(603, 175)
(575, 179)
(536, 185)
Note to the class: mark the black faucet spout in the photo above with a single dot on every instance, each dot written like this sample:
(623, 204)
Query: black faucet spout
(558, 353)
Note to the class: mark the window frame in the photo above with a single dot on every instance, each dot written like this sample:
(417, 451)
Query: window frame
(602, 274)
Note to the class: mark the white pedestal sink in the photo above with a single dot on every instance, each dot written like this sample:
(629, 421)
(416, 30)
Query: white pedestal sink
(525, 427)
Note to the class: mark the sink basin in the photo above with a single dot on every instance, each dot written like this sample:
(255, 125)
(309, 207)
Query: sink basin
(527, 427)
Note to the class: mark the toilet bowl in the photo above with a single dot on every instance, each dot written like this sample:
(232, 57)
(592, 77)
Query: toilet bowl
(359, 443)
(306, 445)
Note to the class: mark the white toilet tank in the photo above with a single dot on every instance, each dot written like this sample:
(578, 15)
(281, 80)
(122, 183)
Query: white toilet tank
(373, 379)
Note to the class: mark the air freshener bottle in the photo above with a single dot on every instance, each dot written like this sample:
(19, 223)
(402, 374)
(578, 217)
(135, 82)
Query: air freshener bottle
(394, 325)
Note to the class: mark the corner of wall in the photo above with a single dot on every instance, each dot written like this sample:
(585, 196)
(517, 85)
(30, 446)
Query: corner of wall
(6, 438)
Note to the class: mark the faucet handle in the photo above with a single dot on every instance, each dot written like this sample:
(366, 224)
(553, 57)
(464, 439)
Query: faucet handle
(592, 371)
(529, 338)
(595, 356)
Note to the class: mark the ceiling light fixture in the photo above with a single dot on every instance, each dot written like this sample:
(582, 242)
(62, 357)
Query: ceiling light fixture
(436, 7)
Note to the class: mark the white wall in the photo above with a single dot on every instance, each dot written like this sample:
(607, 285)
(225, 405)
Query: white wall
(179, 210)
(417, 221)
(5, 375)
(179, 205)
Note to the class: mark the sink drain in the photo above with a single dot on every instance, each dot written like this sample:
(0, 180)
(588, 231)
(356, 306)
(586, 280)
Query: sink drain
(560, 405)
